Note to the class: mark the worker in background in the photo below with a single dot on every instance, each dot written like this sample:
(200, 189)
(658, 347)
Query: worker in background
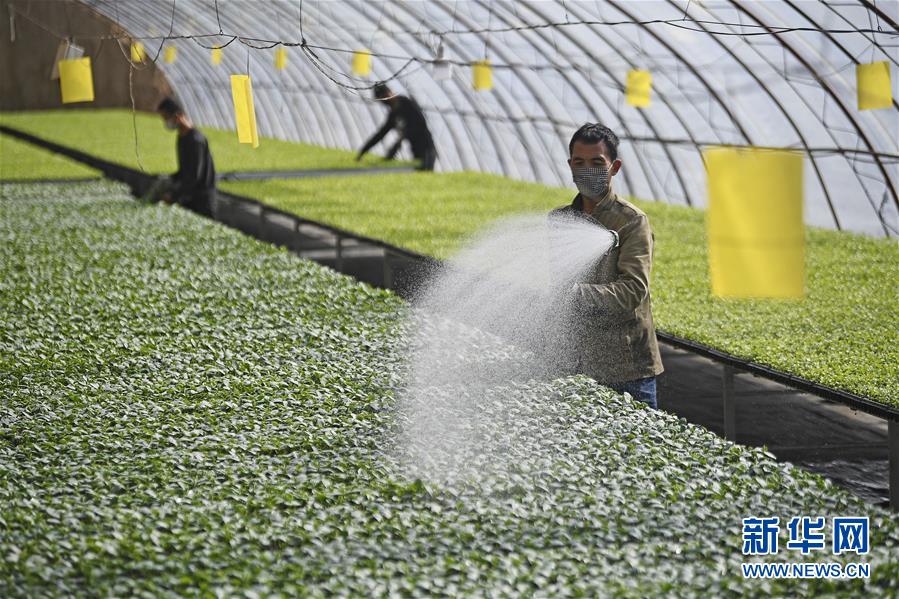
(615, 340)
(193, 185)
(407, 118)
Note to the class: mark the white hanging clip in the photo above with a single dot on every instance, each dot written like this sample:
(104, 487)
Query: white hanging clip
(442, 68)
(12, 23)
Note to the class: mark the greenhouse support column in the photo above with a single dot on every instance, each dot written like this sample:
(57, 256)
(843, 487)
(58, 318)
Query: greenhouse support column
(893, 433)
(297, 245)
(730, 408)
(339, 254)
(388, 273)
(221, 209)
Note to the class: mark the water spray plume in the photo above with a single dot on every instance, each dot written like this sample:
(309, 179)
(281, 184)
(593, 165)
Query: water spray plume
(501, 312)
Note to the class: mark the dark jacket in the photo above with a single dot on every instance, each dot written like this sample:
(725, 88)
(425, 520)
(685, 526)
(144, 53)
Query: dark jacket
(194, 182)
(616, 339)
(408, 119)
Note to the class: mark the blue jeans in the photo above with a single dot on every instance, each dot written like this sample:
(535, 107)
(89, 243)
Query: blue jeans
(641, 389)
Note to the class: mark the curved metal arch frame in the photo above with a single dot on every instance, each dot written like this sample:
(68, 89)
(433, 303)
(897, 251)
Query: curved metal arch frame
(837, 44)
(197, 64)
(505, 103)
(318, 107)
(354, 115)
(861, 133)
(692, 69)
(459, 145)
(299, 128)
(583, 97)
(539, 98)
(576, 86)
(321, 107)
(326, 129)
(835, 41)
(871, 8)
(787, 116)
(671, 105)
(294, 122)
(506, 166)
(714, 94)
(649, 173)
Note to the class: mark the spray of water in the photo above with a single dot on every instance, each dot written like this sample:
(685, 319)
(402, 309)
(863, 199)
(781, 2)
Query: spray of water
(500, 313)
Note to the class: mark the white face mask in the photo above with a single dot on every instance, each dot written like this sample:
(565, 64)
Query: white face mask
(171, 125)
(591, 181)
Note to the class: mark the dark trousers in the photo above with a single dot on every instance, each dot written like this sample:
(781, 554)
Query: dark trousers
(427, 157)
(641, 389)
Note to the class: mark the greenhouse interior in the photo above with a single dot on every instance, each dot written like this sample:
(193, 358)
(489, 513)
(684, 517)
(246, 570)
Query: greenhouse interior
(504, 298)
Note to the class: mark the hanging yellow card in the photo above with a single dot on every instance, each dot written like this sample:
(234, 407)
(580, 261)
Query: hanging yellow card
(362, 63)
(138, 54)
(280, 58)
(754, 221)
(482, 75)
(216, 55)
(171, 53)
(244, 112)
(76, 81)
(874, 87)
(639, 88)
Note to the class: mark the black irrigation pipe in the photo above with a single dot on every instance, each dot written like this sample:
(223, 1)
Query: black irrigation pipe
(139, 182)
(311, 173)
(336, 231)
(109, 169)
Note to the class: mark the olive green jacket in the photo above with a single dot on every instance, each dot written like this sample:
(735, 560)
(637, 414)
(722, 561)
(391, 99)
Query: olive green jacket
(614, 338)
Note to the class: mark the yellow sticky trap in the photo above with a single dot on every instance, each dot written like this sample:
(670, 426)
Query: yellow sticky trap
(216, 55)
(138, 54)
(755, 228)
(874, 86)
(244, 112)
(171, 53)
(482, 75)
(362, 63)
(280, 58)
(76, 81)
(639, 88)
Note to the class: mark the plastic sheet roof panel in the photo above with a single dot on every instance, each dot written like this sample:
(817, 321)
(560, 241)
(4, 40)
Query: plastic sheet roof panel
(711, 85)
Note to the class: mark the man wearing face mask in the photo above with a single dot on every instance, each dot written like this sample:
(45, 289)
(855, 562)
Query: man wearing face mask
(193, 185)
(614, 338)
